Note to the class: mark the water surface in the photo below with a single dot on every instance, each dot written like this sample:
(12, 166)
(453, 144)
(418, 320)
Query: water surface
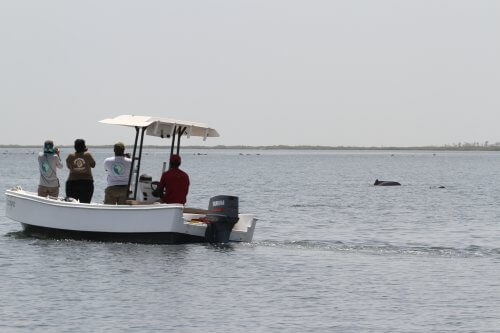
(331, 252)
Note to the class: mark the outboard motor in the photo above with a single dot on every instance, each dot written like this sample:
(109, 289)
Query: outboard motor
(145, 190)
(222, 216)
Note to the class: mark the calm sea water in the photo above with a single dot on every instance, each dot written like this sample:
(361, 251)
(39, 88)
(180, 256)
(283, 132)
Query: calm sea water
(331, 252)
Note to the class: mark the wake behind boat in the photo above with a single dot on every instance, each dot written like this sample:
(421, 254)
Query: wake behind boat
(143, 221)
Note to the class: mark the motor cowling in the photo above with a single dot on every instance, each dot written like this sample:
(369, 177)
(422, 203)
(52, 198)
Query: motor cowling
(222, 216)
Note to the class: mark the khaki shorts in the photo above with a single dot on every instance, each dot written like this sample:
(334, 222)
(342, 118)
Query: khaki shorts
(44, 191)
(115, 195)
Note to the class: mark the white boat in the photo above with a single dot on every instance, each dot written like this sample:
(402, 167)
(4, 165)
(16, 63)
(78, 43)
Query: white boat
(143, 223)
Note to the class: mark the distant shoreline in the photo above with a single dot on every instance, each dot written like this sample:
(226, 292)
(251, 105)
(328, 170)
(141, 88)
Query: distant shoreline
(305, 147)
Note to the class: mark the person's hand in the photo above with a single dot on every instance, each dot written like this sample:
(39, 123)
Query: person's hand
(127, 155)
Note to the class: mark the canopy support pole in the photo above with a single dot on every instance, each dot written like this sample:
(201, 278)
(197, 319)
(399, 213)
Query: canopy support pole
(139, 163)
(132, 164)
(181, 132)
(173, 143)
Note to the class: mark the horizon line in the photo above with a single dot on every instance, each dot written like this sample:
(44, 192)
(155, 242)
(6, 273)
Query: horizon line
(469, 147)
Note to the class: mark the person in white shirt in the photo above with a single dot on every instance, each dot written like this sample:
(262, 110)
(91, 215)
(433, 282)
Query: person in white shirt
(118, 169)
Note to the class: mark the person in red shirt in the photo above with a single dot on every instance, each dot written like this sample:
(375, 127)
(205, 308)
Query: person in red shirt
(175, 182)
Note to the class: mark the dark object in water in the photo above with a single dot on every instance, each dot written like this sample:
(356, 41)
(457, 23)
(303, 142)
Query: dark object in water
(222, 216)
(386, 183)
(441, 186)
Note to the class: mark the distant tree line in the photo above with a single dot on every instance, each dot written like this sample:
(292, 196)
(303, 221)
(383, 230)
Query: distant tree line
(474, 144)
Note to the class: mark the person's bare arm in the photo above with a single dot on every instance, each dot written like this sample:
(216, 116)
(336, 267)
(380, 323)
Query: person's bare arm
(59, 164)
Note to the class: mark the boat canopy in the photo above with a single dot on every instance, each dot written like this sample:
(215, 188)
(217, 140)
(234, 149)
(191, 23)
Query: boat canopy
(162, 127)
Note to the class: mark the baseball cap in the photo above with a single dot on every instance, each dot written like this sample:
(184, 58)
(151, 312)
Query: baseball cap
(175, 158)
(120, 145)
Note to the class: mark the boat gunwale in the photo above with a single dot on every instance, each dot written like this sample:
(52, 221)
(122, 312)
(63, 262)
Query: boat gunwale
(53, 202)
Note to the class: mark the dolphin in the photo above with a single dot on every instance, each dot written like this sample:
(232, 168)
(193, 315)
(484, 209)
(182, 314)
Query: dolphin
(385, 183)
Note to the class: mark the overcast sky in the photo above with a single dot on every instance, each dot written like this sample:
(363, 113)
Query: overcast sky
(262, 72)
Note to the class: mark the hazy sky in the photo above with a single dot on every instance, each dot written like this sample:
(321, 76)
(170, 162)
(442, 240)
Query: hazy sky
(262, 72)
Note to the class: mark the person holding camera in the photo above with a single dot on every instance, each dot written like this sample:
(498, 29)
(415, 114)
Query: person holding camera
(48, 162)
(80, 183)
(118, 170)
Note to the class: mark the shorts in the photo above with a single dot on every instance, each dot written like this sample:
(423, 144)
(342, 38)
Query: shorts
(44, 191)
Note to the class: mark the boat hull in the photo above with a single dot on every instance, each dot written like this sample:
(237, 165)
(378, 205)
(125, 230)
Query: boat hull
(156, 224)
(123, 237)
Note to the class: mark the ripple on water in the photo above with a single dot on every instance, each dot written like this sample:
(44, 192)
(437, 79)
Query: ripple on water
(383, 249)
